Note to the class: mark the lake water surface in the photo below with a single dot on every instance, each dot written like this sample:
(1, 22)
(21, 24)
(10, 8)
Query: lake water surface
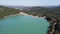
(20, 24)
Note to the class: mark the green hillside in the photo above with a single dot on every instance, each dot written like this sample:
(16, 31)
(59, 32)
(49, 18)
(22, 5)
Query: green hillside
(5, 11)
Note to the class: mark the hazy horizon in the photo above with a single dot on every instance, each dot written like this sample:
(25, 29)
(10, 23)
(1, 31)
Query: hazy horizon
(30, 2)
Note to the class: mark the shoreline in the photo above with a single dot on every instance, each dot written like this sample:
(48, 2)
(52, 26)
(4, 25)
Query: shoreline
(10, 15)
(25, 14)
(53, 23)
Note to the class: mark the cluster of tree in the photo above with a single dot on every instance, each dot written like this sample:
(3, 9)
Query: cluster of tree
(5, 11)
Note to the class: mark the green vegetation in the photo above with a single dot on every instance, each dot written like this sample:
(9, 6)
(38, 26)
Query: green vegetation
(5, 11)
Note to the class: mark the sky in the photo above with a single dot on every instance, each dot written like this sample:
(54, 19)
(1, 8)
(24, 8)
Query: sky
(30, 2)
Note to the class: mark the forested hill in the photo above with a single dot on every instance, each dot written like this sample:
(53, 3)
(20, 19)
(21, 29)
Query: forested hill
(5, 11)
(53, 11)
(48, 10)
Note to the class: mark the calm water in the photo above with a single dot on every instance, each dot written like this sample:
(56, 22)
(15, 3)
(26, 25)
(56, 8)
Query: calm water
(20, 24)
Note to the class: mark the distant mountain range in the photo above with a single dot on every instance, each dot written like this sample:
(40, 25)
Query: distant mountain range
(31, 7)
(34, 7)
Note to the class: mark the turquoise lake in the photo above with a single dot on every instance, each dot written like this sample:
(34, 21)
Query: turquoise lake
(20, 24)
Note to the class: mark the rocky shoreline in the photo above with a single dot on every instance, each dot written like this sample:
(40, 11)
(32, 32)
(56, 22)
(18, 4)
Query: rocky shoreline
(53, 25)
